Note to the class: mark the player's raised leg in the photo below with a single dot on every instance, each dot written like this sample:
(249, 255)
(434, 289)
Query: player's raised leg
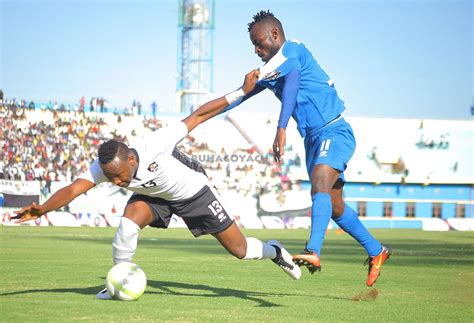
(237, 245)
(347, 219)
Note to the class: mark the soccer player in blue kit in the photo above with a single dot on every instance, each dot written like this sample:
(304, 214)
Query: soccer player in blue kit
(308, 95)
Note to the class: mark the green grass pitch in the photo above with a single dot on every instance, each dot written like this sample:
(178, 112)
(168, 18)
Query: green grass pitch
(52, 274)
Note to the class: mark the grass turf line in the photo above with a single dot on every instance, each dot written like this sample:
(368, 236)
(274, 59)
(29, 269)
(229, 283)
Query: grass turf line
(53, 274)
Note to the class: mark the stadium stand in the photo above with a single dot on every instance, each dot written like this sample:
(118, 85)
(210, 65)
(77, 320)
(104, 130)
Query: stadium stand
(389, 150)
(393, 158)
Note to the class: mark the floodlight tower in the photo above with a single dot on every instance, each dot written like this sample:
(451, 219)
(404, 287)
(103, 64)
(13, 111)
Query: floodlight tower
(195, 53)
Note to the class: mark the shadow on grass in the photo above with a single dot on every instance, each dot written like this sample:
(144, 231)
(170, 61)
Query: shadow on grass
(185, 289)
(200, 290)
(172, 288)
(93, 290)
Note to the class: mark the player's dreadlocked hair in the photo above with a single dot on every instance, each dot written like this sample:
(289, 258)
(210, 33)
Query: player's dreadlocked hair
(111, 149)
(266, 16)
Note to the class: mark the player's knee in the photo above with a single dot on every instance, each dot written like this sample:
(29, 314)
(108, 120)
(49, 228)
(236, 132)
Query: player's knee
(139, 212)
(323, 179)
(320, 186)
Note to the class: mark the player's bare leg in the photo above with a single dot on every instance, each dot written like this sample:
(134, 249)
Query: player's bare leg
(237, 245)
(233, 241)
(139, 212)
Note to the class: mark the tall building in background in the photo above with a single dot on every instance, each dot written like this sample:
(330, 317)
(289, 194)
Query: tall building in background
(195, 53)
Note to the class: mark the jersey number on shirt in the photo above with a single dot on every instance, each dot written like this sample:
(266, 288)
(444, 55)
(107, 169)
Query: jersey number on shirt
(217, 209)
(149, 184)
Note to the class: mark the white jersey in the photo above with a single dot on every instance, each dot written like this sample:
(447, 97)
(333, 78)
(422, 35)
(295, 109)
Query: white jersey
(159, 174)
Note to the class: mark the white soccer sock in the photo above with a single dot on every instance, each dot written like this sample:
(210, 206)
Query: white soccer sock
(125, 241)
(257, 249)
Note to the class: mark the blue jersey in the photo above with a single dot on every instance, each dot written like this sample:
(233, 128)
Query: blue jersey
(305, 90)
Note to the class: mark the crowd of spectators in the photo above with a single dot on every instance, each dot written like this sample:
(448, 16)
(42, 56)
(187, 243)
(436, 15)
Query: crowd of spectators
(61, 149)
(95, 104)
(47, 152)
(57, 142)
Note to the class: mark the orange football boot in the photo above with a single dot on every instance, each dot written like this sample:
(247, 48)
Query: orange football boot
(309, 259)
(375, 263)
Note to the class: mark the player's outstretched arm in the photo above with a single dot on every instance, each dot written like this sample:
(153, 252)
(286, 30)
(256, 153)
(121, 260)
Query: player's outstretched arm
(57, 200)
(216, 106)
(288, 104)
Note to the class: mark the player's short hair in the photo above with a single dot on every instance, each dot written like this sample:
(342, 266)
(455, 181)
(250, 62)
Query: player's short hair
(111, 149)
(267, 17)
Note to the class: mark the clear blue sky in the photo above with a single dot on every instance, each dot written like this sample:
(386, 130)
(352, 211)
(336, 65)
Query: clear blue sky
(388, 58)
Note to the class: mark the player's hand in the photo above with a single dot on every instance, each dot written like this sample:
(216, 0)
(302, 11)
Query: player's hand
(279, 145)
(31, 212)
(250, 81)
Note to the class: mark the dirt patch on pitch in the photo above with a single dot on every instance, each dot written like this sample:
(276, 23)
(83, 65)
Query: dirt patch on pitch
(366, 296)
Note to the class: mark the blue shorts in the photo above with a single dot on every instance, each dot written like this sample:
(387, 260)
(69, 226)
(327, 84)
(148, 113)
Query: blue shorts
(332, 145)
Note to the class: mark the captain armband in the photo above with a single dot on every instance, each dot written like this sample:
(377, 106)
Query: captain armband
(234, 96)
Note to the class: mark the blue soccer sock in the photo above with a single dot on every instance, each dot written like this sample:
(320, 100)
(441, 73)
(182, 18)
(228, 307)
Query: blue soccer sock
(350, 223)
(321, 211)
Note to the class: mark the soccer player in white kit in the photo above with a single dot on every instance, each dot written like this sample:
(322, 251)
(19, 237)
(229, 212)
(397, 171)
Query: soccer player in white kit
(162, 186)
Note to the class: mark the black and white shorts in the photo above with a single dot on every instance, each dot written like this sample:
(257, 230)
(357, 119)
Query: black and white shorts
(203, 213)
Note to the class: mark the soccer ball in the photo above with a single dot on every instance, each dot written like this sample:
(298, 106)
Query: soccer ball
(126, 281)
